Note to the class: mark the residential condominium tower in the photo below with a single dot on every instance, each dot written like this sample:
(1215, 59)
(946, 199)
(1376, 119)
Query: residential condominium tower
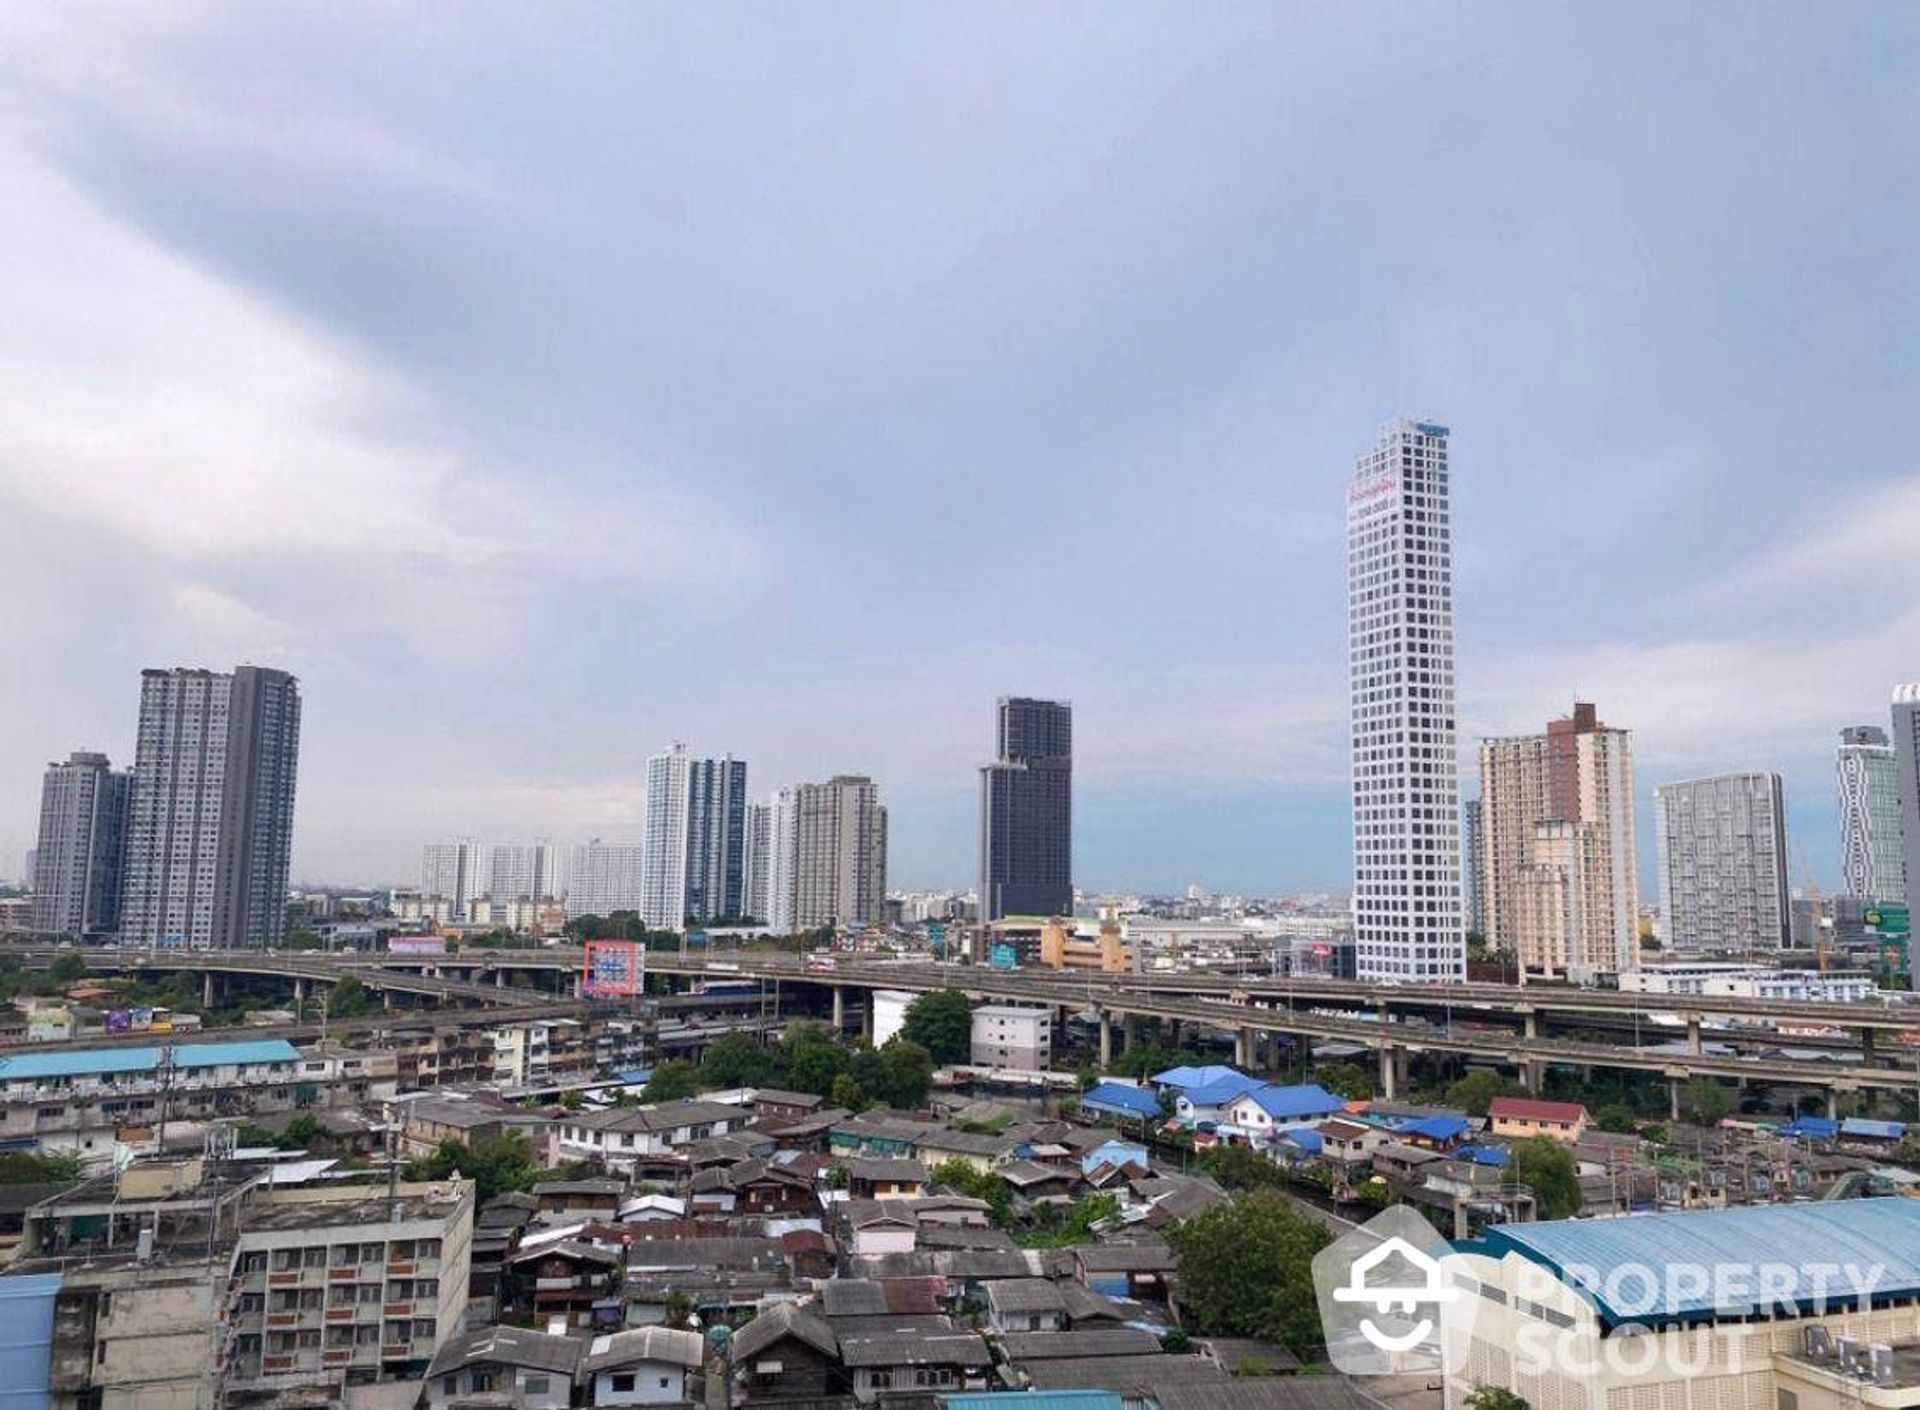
(1026, 812)
(79, 863)
(840, 853)
(755, 857)
(1906, 783)
(210, 827)
(694, 839)
(1406, 785)
(783, 841)
(1872, 857)
(522, 872)
(1722, 846)
(1558, 866)
(450, 872)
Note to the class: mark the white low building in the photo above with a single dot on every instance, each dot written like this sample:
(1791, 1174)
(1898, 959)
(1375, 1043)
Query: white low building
(1743, 981)
(1013, 1036)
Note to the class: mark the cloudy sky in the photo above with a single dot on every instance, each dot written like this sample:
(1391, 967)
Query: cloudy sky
(546, 383)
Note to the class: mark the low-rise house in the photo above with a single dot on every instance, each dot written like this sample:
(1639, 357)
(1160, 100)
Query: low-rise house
(763, 1187)
(1521, 1118)
(1347, 1142)
(876, 1178)
(1205, 1093)
(1136, 1270)
(787, 1353)
(876, 1229)
(1023, 1348)
(563, 1278)
(773, 1105)
(1118, 1155)
(622, 1137)
(589, 1199)
(893, 1362)
(978, 1150)
(526, 1368)
(1026, 1305)
(1033, 1181)
(879, 1135)
(642, 1366)
(1123, 1100)
(1435, 1133)
(1261, 1109)
(1402, 1163)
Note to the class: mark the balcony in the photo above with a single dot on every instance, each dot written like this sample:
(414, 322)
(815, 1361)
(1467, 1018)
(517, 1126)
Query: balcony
(400, 1268)
(292, 1278)
(349, 1274)
(396, 1351)
(337, 1355)
(337, 1315)
(283, 1319)
(397, 1309)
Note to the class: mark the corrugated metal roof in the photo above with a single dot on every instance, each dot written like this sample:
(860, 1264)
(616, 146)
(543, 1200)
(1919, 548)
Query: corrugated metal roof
(1035, 1400)
(1291, 1103)
(1817, 1244)
(26, 1338)
(1118, 1096)
(92, 1062)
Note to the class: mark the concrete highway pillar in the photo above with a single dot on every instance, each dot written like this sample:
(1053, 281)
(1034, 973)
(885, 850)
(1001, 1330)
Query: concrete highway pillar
(1833, 1104)
(839, 1008)
(1243, 1047)
(1531, 1019)
(1534, 1075)
(1106, 1042)
(1693, 1034)
(206, 989)
(1129, 1032)
(1389, 1072)
(386, 999)
(1866, 1045)
(1174, 1034)
(499, 979)
(299, 994)
(1673, 1098)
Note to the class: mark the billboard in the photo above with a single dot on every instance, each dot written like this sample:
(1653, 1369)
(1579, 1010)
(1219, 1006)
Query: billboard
(120, 1021)
(417, 945)
(1003, 956)
(612, 969)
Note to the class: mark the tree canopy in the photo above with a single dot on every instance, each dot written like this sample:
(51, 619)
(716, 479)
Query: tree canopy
(1547, 1167)
(672, 1081)
(1475, 1092)
(941, 1022)
(1246, 1270)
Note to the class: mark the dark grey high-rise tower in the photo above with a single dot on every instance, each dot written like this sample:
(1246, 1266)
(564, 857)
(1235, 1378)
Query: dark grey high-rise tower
(79, 862)
(1906, 750)
(716, 839)
(211, 824)
(1026, 812)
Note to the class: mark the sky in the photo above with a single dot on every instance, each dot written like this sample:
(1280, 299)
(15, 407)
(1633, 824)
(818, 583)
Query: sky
(545, 384)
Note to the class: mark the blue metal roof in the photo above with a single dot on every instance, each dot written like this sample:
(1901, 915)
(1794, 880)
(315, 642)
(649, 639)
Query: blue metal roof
(1481, 1155)
(1436, 1128)
(26, 1339)
(1292, 1103)
(1034, 1400)
(1816, 1244)
(1878, 1130)
(1818, 1127)
(1307, 1139)
(95, 1062)
(1188, 1078)
(1119, 1097)
(1113, 1153)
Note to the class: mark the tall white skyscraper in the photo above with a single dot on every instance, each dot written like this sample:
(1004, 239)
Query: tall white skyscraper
(602, 879)
(663, 841)
(783, 844)
(210, 825)
(1871, 857)
(1406, 784)
(522, 872)
(756, 855)
(1906, 784)
(1723, 863)
(451, 871)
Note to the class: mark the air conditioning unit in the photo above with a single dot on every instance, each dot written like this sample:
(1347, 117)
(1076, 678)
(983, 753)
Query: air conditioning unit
(1880, 1363)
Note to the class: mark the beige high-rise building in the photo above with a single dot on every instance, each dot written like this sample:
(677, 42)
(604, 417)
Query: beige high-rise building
(1558, 865)
(840, 867)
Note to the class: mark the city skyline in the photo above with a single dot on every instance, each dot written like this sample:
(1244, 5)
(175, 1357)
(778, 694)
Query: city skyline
(473, 470)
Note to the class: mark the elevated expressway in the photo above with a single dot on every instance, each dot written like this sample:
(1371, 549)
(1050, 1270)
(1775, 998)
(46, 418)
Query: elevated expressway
(1394, 1022)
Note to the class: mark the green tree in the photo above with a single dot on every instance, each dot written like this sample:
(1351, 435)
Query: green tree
(942, 1023)
(738, 1060)
(1475, 1092)
(349, 999)
(1614, 1116)
(1547, 1167)
(817, 1066)
(1176, 1342)
(303, 1132)
(899, 1075)
(964, 1179)
(495, 1164)
(1707, 1101)
(1345, 1079)
(32, 1168)
(1494, 1398)
(1239, 1168)
(672, 1081)
(849, 1093)
(67, 969)
(1246, 1270)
